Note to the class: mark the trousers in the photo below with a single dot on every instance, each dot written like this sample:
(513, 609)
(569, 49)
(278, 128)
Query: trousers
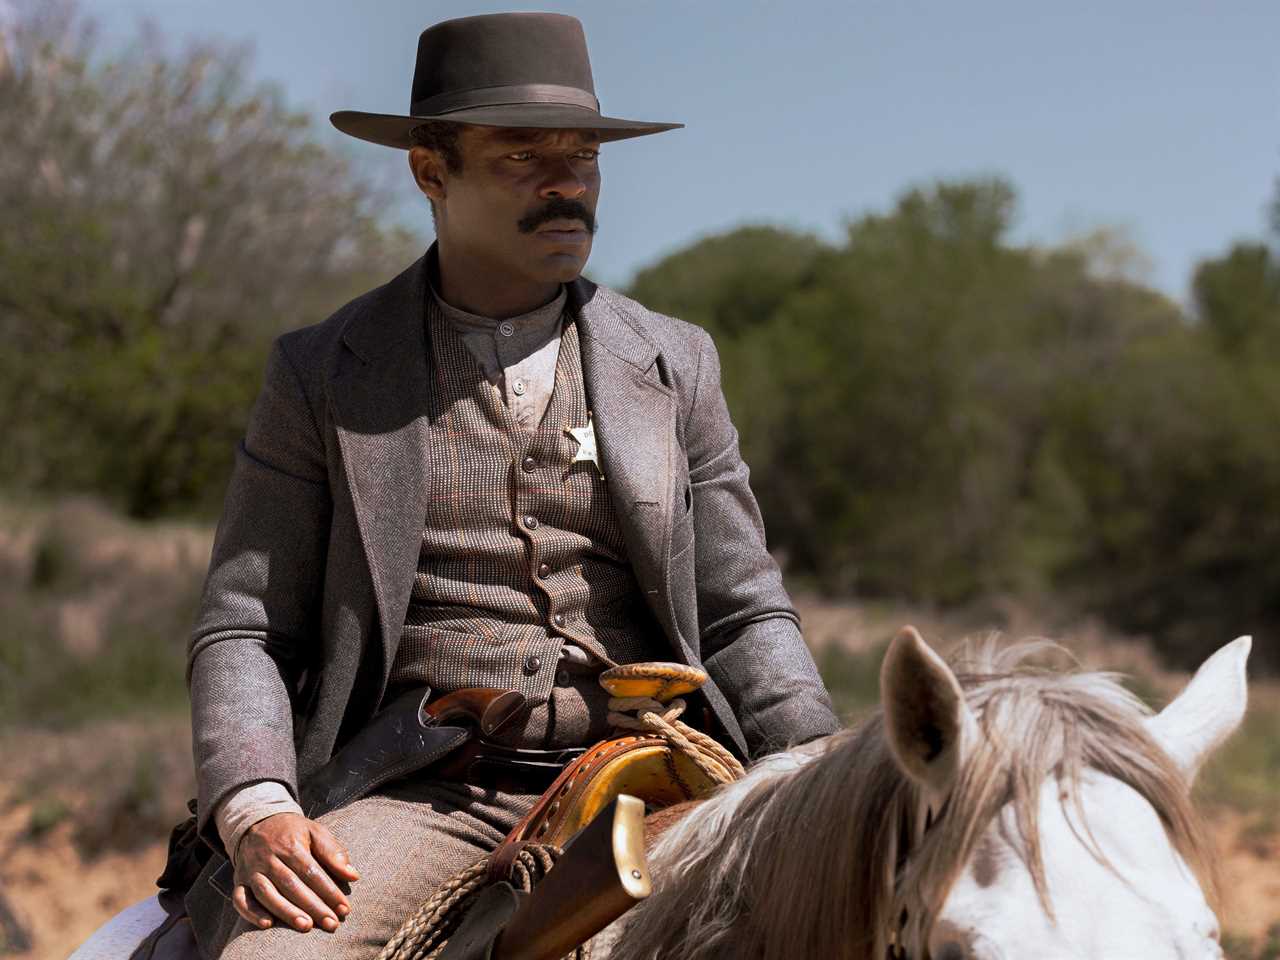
(405, 841)
(410, 836)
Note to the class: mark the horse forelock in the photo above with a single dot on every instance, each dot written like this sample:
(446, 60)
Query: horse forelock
(821, 851)
(1039, 723)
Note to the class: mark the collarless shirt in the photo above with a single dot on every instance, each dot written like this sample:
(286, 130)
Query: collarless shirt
(516, 355)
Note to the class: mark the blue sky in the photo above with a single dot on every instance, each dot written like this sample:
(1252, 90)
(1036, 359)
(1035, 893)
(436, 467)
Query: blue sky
(1156, 118)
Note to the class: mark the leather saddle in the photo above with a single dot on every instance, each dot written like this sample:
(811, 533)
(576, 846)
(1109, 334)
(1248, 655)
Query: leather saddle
(641, 766)
(595, 810)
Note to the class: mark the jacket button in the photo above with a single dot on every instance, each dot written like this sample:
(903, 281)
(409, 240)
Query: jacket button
(531, 522)
(558, 619)
(544, 569)
(529, 464)
(532, 664)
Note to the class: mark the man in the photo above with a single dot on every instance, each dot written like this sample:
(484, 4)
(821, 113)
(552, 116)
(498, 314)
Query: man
(488, 472)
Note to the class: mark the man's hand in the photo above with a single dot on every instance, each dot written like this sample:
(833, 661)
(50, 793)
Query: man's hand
(289, 865)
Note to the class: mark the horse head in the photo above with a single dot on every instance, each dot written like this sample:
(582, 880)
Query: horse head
(990, 810)
(1061, 814)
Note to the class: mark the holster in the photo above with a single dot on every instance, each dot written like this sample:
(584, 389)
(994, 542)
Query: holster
(395, 743)
(400, 740)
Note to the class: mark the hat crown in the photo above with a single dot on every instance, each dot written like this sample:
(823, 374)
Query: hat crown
(500, 50)
(499, 70)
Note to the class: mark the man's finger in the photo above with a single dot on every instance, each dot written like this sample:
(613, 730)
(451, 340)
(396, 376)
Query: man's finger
(332, 855)
(247, 906)
(318, 879)
(267, 894)
(294, 889)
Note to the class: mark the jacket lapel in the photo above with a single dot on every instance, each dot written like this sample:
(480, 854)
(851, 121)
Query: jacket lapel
(381, 410)
(634, 417)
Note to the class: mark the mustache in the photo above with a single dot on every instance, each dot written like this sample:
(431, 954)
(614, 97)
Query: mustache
(558, 208)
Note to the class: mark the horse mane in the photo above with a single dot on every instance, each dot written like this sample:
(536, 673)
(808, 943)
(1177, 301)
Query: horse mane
(822, 851)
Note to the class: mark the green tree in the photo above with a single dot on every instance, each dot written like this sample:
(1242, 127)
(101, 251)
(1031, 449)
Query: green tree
(933, 412)
(164, 219)
(1238, 298)
(730, 283)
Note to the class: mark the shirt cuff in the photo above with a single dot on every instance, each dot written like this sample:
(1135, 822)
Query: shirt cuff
(244, 807)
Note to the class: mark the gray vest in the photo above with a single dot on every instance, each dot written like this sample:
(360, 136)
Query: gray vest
(521, 550)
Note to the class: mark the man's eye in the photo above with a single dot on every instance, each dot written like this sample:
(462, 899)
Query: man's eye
(587, 154)
(522, 155)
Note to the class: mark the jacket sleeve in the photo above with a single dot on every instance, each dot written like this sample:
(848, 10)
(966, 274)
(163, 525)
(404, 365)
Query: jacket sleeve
(258, 619)
(749, 631)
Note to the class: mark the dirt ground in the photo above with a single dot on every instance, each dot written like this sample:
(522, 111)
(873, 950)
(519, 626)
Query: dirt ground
(57, 897)
(1250, 863)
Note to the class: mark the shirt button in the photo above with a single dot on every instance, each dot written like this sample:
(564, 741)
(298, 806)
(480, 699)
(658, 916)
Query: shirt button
(544, 569)
(506, 328)
(558, 619)
(531, 522)
(518, 388)
(532, 664)
(529, 464)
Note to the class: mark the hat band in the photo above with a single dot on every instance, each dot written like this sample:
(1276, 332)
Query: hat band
(503, 96)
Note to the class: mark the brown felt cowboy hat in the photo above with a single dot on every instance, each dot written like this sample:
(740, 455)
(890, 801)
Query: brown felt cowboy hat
(500, 70)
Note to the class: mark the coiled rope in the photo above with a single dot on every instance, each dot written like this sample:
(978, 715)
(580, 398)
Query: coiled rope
(426, 933)
(647, 715)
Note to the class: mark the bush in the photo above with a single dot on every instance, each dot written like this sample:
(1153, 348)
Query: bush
(165, 219)
(934, 414)
(105, 634)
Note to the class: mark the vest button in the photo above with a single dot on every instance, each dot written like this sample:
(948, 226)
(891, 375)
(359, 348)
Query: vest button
(529, 464)
(531, 522)
(532, 664)
(562, 677)
(544, 569)
(558, 619)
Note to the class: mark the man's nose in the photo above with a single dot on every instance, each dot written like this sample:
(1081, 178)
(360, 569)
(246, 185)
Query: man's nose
(562, 181)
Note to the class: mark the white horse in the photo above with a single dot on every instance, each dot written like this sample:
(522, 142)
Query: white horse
(122, 934)
(992, 813)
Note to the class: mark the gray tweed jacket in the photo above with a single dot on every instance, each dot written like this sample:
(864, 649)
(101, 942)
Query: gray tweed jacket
(316, 551)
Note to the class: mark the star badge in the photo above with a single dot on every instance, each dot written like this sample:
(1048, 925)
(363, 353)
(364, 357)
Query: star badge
(586, 437)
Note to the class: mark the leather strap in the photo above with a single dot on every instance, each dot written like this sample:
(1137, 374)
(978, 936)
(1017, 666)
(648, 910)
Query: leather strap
(528, 828)
(503, 859)
(494, 766)
(504, 95)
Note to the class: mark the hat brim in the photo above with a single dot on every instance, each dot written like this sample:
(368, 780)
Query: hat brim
(391, 130)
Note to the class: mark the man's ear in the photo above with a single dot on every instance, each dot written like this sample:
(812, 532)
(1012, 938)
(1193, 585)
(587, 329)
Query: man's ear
(428, 169)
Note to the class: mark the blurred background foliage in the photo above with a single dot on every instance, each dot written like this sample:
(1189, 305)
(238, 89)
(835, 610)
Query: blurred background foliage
(931, 412)
(164, 219)
(939, 421)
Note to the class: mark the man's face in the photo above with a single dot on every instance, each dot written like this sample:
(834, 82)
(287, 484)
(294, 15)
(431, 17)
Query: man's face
(523, 202)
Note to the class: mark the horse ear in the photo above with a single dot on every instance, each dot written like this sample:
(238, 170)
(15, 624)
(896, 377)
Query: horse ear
(1207, 711)
(930, 727)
